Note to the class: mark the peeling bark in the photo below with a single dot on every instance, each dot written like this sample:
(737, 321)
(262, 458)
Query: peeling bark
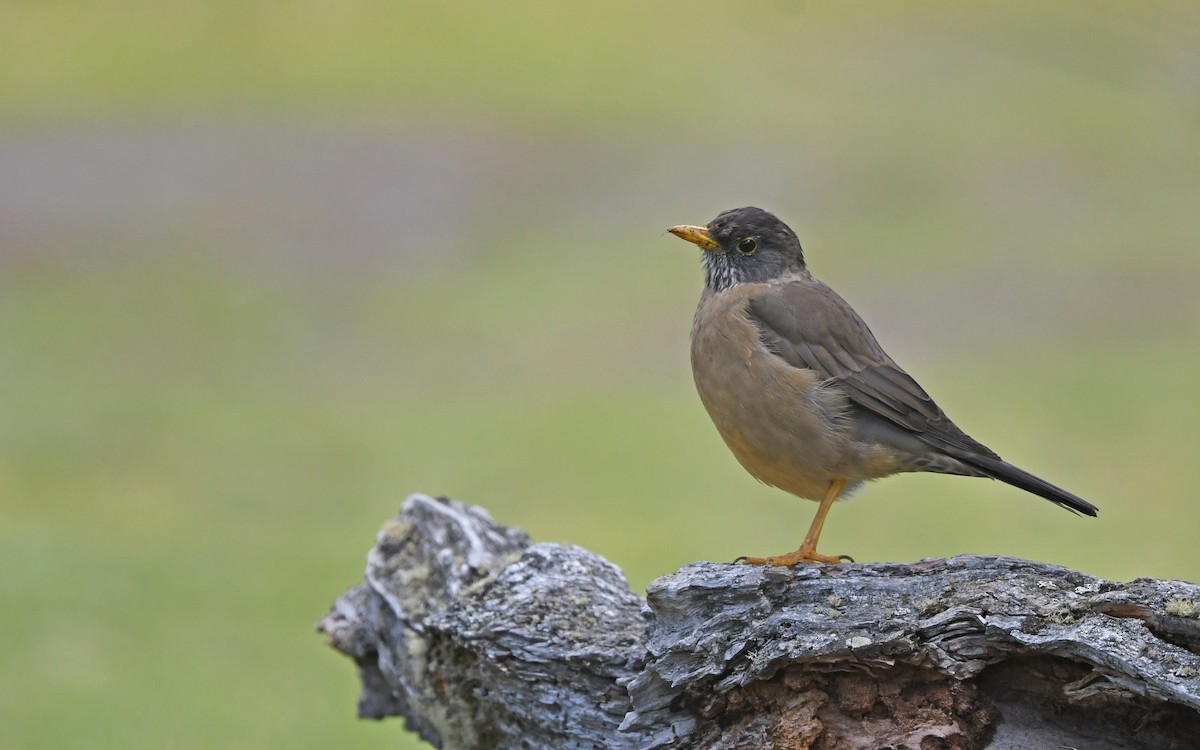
(480, 639)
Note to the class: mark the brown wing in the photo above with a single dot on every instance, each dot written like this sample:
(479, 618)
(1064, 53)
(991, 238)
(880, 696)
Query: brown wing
(808, 325)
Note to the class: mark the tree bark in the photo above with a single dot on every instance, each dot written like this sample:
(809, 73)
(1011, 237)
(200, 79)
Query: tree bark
(480, 639)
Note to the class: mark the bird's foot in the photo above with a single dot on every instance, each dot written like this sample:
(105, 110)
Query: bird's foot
(792, 558)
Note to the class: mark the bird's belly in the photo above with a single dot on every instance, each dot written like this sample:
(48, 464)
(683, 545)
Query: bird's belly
(791, 447)
(780, 422)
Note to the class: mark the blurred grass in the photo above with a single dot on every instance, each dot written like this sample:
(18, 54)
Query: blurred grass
(201, 431)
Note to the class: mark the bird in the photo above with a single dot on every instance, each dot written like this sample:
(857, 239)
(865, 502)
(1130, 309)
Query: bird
(802, 393)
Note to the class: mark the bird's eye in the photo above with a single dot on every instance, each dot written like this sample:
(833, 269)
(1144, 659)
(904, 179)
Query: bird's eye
(747, 245)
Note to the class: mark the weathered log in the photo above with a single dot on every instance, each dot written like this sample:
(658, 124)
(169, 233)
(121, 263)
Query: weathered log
(480, 639)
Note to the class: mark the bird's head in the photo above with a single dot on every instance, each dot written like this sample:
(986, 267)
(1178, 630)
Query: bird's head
(745, 245)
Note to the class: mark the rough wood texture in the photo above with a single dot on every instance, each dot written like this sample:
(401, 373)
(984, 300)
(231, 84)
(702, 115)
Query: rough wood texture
(481, 640)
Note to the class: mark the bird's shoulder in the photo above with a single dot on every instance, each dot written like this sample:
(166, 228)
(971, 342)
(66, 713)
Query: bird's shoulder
(804, 316)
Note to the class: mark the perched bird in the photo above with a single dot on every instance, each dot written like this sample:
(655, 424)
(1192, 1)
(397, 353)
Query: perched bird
(801, 391)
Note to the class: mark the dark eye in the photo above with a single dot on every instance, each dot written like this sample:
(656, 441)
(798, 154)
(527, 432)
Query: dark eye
(747, 245)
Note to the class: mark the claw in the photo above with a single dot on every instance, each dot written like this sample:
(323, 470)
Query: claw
(793, 558)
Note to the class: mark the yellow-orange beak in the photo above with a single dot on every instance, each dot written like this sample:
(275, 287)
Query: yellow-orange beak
(695, 235)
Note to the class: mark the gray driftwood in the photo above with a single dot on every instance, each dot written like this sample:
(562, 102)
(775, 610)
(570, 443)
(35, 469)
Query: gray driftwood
(480, 639)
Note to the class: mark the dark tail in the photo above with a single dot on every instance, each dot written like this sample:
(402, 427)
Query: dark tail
(1009, 474)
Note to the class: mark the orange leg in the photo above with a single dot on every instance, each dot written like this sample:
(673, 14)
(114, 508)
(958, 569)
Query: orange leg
(808, 548)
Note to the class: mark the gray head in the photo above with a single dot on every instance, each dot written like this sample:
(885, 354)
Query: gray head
(745, 245)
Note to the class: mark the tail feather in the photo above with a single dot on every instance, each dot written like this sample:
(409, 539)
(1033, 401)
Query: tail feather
(1009, 474)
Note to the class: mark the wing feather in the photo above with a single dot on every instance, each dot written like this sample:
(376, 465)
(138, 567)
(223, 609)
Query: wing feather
(809, 326)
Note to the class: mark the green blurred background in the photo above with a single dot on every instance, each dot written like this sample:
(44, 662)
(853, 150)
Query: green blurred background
(265, 269)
